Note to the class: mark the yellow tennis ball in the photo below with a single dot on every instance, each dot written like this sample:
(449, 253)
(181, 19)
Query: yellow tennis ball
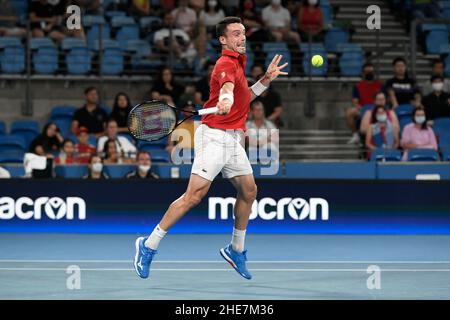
(317, 60)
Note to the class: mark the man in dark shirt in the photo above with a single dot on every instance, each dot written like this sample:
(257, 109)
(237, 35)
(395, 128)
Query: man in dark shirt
(202, 86)
(437, 103)
(401, 88)
(270, 99)
(90, 115)
(144, 164)
(46, 19)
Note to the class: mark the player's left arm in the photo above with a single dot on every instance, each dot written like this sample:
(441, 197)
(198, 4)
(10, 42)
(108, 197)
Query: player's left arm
(273, 71)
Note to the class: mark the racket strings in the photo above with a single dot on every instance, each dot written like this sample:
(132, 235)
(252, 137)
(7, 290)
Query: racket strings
(152, 121)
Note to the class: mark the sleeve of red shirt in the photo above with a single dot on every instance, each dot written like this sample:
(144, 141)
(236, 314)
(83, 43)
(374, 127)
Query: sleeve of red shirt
(225, 72)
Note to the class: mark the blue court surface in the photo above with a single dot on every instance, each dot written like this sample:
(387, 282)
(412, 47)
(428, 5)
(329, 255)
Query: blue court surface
(38, 266)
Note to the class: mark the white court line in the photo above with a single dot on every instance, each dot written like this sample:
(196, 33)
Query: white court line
(221, 261)
(228, 269)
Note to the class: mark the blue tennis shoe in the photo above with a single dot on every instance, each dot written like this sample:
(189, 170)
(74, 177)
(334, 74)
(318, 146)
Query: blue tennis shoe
(236, 260)
(143, 258)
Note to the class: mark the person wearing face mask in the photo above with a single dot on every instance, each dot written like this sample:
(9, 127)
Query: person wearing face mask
(144, 165)
(211, 15)
(96, 169)
(418, 135)
(277, 20)
(363, 93)
(368, 119)
(437, 69)
(381, 133)
(437, 103)
(310, 21)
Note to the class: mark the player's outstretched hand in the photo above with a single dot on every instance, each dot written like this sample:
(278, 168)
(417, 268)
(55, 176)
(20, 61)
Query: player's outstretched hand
(224, 107)
(274, 70)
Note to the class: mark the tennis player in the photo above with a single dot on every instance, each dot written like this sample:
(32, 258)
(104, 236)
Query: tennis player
(218, 144)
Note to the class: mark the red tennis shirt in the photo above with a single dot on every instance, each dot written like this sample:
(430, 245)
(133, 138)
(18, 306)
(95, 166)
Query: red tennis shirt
(229, 68)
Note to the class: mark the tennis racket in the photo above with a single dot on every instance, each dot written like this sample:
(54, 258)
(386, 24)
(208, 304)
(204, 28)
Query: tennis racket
(154, 120)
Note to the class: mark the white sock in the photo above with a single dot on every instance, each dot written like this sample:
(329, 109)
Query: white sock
(154, 239)
(238, 239)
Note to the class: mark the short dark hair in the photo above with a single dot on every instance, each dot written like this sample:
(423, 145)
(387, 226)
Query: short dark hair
(374, 113)
(222, 25)
(89, 89)
(437, 61)
(367, 64)
(398, 59)
(95, 155)
(142, 152)
(424, 125)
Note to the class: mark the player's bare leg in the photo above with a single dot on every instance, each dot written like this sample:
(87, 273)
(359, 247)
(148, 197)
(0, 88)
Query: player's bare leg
(234, 253)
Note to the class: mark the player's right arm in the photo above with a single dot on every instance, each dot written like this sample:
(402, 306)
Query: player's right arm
(226, 98)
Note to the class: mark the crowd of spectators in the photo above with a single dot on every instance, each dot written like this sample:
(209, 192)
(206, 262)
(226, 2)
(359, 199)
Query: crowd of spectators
(373, 118)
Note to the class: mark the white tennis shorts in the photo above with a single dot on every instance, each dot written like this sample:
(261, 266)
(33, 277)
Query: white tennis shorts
(217, 151)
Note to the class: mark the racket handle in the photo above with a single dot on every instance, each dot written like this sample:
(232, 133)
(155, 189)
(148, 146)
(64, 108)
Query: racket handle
(208, 111)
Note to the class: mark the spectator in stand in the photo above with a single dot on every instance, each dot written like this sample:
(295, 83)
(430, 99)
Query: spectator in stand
(425, 9)
(252, 22)
(197, 5)
(9, 22)
(202, 86)
(182, 45)
(270, 98)
(363, 94)
(368, 118)
(401, 88)
(437, 70)
(166, 88)
(143, 168)
(67, 153)
(48, 142)
(183, 136)
(277, 20)
(185, 18)
(90, 116)
(95, 168)
(83, 148)
(89, 6)
(230, 6)
(437, 103)
(139, 8)
(310, 21)
(121, 109)
(211, 16)
(123, 145)
(168, 5)
(111, 155)
(381, 133)
(418, 135)
(261, 132)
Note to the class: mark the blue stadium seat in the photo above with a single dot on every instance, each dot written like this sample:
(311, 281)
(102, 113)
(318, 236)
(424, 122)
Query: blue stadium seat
(120, 21)
(72, 42)
(351, 59)
(45, 60)
(12, 157)
(155, 145)
(13, 60)
(94, 34)
(127, 33)
(12, 143)
(20, 6)
(334, 37)
(106, 43)
(441, 125)
(404, 110)
(327, 14)
(112, 63)
(315, 71)
(138, 47)
(92, 140)
(114, 13)
(286, 58)
(423, 155)
(92, 20)
(385, 155)
(62, 112)
(2, 127)
(274, 46)
(78, 61)
(151, 23)
(118, 170)
(158, 155)
(9, 41)
(71, 171)
(446, 154)
(36, 43)
(437, 34)
(444, 139)
(403, 121)
(28, 129)
(15, 171)
(64, 125)
(315, 47)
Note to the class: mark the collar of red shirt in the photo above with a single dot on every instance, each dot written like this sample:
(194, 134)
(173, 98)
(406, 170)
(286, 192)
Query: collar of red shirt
(241, 57)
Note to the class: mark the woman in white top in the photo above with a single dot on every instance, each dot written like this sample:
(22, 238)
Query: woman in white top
(211, 15)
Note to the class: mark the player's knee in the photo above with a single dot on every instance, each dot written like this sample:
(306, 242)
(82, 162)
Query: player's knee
(193, 199)
(250, 193)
